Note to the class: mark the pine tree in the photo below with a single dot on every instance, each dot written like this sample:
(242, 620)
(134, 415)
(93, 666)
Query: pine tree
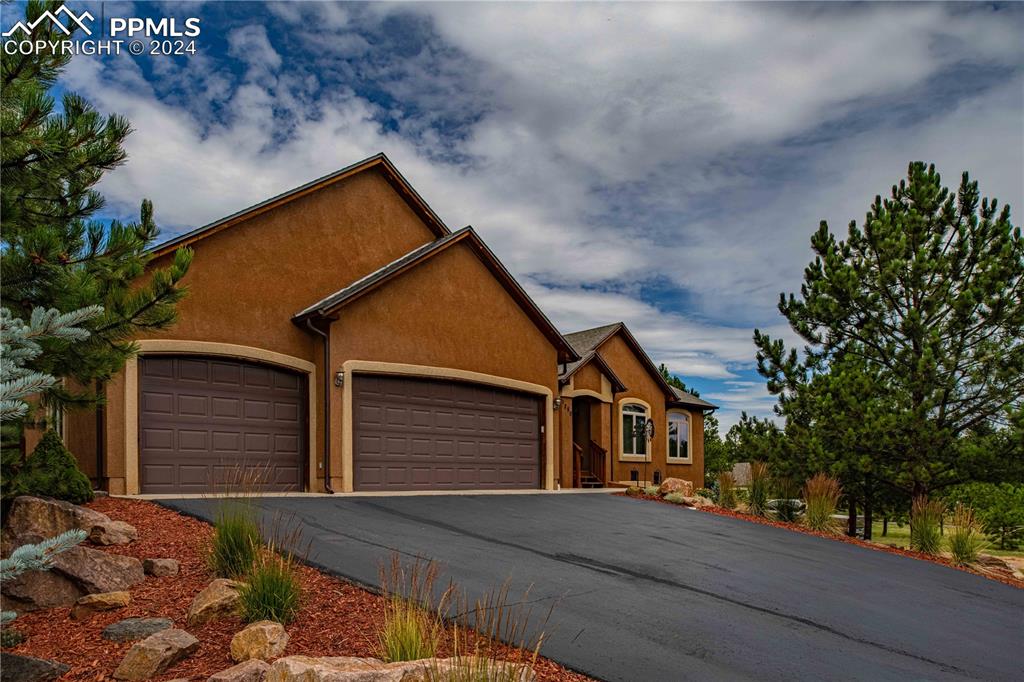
(914, 328)
(54, 255)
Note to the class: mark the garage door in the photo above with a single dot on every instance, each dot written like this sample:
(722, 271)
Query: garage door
(205, 423)
(424, 434)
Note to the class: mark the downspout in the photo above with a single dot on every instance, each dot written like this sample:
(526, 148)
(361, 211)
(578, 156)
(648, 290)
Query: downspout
(327, 402)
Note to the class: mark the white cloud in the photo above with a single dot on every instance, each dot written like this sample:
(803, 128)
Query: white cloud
(613, 144)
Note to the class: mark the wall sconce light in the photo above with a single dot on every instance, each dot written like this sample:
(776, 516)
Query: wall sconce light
(339, 377)
(558, 403)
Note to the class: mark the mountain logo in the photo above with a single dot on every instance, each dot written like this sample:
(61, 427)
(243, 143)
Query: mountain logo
(54, 18)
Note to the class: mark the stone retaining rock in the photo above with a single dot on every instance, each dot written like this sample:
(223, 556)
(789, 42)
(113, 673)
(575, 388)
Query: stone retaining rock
(253, 670)
(14, 668)
(676, 485)
(349, 669)
(75, 573)
(135, 628)
(264, 639)
(218, 599)
(155, 654)
(103, 601)
(34, 518)
(160, 568)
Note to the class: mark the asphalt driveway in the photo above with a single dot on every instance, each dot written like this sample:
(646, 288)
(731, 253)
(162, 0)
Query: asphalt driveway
(651, 592)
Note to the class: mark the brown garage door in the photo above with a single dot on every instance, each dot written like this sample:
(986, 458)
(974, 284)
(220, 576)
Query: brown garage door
(424, 434)
(207, 422)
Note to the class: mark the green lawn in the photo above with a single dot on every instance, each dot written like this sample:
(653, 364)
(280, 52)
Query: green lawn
(899, 536)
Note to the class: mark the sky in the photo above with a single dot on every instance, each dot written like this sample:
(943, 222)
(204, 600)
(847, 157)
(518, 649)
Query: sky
(659, 164)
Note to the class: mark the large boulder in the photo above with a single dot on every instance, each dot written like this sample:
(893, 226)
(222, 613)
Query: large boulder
(348, 669)
(14, 668)
(253, 670)
(264, 639)
(35, 518)
(160, 568)
(155, 654)
(75, 573)
(131, 629)
(103, 601)
(676, 485)
(216, 600)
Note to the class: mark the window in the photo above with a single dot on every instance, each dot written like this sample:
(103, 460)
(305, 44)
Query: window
(632, 443)
(678, 436)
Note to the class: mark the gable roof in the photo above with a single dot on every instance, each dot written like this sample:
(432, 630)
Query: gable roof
(378, 161)
(590, 340)
(572, 367)
(328, 306)
(690, 400)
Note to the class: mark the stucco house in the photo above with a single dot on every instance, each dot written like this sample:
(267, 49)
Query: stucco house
(340, 337)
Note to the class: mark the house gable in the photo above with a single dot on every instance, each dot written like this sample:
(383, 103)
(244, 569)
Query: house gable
(251, 279)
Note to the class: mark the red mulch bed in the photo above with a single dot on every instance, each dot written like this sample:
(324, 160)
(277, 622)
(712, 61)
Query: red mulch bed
(337, 618)
(721, 511)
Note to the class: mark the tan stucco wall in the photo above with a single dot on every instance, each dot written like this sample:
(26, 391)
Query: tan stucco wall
(642, 386)
(247, 281)
(587, 378)
(447, 312)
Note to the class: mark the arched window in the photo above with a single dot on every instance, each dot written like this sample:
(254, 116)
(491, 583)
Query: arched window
(678, 437)
(632, 443)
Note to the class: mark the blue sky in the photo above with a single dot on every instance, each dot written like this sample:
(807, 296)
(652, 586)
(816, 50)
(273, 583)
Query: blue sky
(658, 164)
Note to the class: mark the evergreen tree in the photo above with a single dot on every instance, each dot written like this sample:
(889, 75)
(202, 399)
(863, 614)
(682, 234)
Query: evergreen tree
(54, 255)
(914, 328)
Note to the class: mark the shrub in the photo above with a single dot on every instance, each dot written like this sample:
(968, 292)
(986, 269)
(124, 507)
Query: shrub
(272, 590)
(965, 539)
(786, 506)
(651, 491)
(11, 638)
(726, 490)
(50, 471)
(708, 493)
(676, 498)
(633, 491)
(999, 507)
(925, 525)
(412, 625)
(236, 539)
(821, 497)
(757, 503)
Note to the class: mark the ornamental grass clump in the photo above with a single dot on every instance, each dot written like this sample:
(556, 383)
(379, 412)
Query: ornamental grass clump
(236, 541)
(965, 538)
(272, 589)
(726, 490)
(926, 525)
(413, 626)
(757, 503)
(676, 498)
(821, 498)
(651, 491)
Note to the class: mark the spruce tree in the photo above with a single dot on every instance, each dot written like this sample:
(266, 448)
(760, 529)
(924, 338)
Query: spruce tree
(914, 331)
(55, 256)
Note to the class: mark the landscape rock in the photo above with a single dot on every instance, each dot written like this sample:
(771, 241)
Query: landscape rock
(676, 485)
(14, 668)
(253, 670)
(160, 568)
(103, 601)
(155, 654)
(349, 669)
(265, 639)
(135, 628)
(33, 518)
(113, 533)
(218, 599)
(76, 572)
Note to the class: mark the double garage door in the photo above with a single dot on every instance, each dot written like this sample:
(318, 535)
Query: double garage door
(205, 423)
(426, 434)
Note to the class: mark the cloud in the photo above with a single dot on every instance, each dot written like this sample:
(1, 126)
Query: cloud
(602, 150)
